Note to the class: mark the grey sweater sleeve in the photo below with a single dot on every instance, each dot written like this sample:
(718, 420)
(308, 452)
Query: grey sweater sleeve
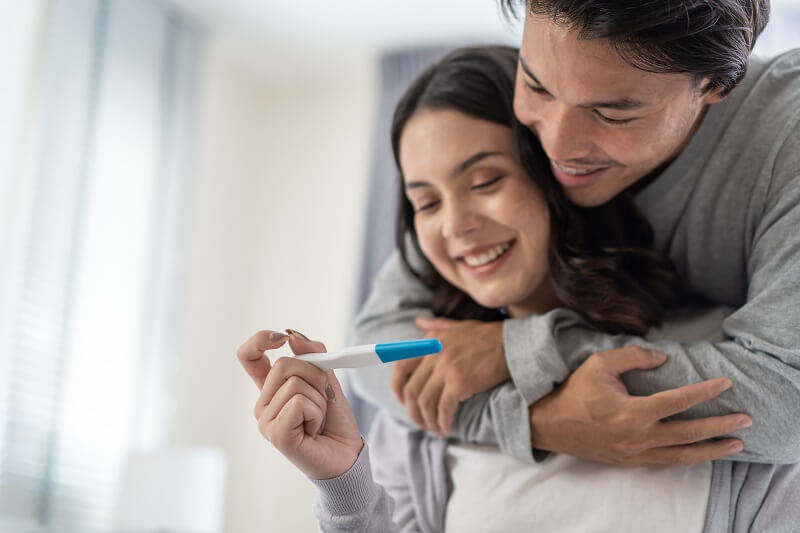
(353, 501)
(402, 489)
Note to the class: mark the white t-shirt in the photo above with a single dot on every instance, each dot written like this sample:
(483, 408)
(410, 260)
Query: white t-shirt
(496, 493)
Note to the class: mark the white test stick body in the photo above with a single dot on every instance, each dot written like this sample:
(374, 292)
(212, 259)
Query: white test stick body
(372, 354)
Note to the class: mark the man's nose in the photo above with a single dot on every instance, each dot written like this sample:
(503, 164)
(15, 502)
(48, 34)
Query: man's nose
(565, 133)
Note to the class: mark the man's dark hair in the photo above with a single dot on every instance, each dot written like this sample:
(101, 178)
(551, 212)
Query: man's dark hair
(703, 38)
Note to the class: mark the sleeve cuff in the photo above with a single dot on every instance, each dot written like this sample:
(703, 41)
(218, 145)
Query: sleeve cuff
(351, 492)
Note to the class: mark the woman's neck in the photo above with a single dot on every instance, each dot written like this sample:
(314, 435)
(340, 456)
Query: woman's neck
(541, 301)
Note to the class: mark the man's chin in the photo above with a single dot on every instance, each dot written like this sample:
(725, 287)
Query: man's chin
(589, 196)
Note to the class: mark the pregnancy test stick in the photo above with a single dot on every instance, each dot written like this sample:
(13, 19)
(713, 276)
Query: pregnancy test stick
(372, 354)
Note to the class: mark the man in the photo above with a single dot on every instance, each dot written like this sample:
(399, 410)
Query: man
(660, 100)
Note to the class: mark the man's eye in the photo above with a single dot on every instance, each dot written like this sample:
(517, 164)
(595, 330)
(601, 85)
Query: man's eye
(487, 184)
(537, 90)
(609, 120)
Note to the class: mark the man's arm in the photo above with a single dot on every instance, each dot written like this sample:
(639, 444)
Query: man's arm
(760, 352)
(496, 416)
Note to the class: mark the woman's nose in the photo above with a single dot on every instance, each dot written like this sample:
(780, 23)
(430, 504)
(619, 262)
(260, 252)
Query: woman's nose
(460, 220)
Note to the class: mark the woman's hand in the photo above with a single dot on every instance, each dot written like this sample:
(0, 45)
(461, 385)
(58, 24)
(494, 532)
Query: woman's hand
(301, 410)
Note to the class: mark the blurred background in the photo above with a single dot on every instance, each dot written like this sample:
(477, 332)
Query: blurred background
(174, 176)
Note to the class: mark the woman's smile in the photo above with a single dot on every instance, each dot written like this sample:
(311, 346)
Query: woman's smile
(483, 261)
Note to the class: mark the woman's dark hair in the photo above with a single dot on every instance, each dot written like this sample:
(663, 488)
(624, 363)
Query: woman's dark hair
(703, 38)
(600, 259)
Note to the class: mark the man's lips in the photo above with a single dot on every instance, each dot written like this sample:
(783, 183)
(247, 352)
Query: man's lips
(577, 180)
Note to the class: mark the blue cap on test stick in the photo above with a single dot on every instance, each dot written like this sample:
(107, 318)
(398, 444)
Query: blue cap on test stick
(395, 351)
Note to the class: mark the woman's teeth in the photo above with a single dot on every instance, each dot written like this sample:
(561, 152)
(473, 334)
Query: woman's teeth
(488, 256)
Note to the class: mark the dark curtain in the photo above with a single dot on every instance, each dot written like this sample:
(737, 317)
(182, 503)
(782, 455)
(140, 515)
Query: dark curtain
(398, 70)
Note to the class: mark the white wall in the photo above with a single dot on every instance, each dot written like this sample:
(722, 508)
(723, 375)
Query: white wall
(279, 198)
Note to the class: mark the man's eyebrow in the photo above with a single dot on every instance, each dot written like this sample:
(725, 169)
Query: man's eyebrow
(530, 73)
(622, 104)
(458, 169)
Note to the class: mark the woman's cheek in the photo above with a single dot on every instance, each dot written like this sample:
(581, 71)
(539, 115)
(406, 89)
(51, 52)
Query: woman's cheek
(427, 242)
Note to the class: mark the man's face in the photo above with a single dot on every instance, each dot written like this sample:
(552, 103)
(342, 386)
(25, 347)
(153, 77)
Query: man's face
(603, 123)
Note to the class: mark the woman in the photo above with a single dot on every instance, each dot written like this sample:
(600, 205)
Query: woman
(497, 240)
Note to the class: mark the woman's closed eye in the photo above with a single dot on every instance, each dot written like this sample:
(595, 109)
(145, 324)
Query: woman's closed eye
(487, 184)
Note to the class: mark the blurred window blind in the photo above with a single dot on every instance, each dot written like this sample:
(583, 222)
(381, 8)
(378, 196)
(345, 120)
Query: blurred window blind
(92, 280)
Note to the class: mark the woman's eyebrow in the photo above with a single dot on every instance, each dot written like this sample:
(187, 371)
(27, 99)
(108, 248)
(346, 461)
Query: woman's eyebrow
(458, 169)
(472, 160)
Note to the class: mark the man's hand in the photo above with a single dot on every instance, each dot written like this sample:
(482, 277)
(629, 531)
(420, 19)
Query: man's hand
(592, 416)
(472, 360)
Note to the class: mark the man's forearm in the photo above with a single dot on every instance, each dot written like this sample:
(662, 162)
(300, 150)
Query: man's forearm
(543, 350)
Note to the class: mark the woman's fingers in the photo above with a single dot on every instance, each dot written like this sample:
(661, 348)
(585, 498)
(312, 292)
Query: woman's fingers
(287, 367)
(292, 387)
(251, 354)
(298, 418)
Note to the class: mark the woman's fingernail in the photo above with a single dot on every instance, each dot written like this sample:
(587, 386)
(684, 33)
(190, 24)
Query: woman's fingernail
(295, 332)
(277, 336)
(329, 393)
(744, 422)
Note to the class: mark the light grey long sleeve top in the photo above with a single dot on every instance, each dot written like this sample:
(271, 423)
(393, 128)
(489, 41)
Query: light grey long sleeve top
(727, 212)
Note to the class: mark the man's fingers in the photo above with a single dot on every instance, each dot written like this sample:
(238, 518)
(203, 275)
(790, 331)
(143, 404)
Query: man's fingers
(448, 404)
(413, 388)
(674, 401)
(622, 360)
(679, 432)
(251, 354)
(401, 371)
(690, 454)
(428, 402)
